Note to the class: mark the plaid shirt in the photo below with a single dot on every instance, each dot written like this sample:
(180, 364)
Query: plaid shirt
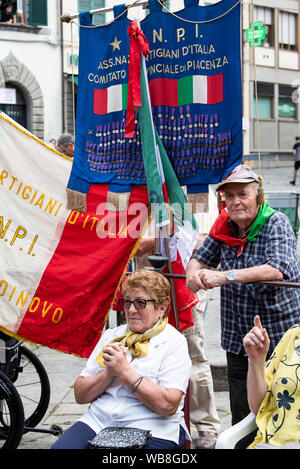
(278, 307)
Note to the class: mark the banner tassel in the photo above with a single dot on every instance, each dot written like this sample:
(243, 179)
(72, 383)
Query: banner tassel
(76, 201)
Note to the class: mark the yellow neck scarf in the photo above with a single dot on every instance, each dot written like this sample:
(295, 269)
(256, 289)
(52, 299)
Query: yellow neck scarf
(137, 343)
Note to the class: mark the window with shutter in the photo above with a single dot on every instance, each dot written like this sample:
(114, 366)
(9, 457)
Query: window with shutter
(287, 30)
(84, 5)
(38, 14)
(265, 17)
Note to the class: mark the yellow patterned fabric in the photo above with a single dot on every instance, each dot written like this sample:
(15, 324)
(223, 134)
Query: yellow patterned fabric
(278, 418)
(137, 343)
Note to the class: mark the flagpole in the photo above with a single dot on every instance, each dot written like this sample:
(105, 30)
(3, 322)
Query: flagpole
(156, 242)
(275, 283)
(164, 229)
(165, 234)
(66, 18)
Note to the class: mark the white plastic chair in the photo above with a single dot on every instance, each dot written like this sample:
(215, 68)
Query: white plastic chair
(230, 437)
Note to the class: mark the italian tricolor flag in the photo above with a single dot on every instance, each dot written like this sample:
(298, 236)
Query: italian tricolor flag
(111, 99)
(194, 89)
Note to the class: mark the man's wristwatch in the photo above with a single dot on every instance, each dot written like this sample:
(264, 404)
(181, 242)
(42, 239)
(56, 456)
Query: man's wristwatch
(230, 275)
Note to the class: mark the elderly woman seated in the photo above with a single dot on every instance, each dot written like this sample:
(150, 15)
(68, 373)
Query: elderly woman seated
(138, 373)
(274, 386)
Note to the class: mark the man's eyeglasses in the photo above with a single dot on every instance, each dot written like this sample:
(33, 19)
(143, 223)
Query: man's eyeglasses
(138, 303)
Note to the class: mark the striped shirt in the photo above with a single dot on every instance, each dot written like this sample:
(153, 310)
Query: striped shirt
(278, 307)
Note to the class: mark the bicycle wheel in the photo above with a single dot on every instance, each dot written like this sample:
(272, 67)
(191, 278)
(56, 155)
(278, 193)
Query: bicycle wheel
(11, 414)
(33, 387)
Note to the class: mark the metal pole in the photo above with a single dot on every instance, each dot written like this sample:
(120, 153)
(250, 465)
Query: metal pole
(296, 214)
(273, 283)
(164, 233)
(157, 242)
(66, 18)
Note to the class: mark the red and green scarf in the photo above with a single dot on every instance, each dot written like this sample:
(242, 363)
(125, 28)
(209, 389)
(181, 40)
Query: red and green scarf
(222, 231)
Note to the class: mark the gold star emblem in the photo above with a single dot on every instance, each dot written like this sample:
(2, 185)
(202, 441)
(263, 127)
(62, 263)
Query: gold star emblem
(115, 44)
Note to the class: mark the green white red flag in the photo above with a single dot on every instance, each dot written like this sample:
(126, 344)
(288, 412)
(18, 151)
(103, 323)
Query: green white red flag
(165, 191)
(165, 196)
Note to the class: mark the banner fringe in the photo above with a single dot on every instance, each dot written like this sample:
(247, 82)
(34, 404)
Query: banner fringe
(17, 337)
(76, 200)
(119, 200)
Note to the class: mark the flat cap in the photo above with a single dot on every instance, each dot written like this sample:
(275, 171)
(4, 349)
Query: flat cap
(240, 173)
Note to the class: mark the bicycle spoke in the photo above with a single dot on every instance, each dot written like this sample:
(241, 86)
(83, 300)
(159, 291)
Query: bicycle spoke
(29, 399)
(27, 384)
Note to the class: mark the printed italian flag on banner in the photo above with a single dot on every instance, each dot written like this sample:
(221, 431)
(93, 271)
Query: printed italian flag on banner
(111, 99)
(60, 269)
(194, 89)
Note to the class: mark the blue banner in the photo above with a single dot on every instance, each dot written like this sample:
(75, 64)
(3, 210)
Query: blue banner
(194, 73)
(196, 53)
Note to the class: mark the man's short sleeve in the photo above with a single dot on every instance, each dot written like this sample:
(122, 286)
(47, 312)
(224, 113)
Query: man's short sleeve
(280, 248)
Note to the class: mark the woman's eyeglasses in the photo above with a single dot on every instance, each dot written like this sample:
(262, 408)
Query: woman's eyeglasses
(139, 303)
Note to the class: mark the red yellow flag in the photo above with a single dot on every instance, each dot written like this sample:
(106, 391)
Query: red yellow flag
(60, 269)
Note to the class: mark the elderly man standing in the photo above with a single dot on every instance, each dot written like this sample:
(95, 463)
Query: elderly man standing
(252, 243)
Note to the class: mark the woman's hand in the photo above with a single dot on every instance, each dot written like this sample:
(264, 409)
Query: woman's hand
(257, 341)
(87, 389)
(157, 398)
(114, 357)
(256, 344)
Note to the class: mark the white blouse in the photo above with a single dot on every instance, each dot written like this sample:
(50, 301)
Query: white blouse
(167, 364)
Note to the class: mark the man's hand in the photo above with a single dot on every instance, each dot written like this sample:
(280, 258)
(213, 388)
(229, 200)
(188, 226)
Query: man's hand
(204, 279)
(193, 281)
(200, 277)
(212, 278)
(193, 272)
